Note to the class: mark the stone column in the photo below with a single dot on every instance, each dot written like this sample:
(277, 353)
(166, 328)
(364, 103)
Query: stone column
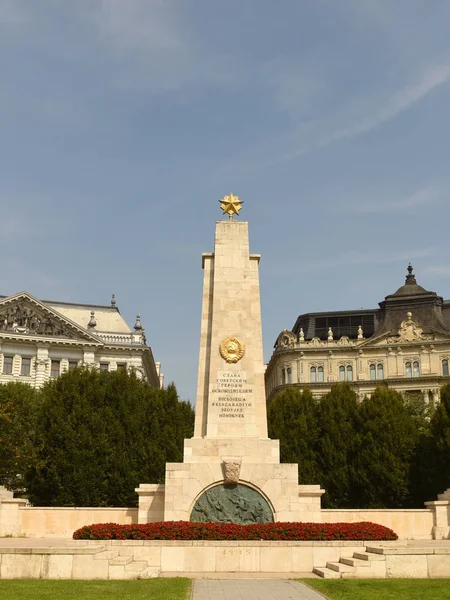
(42, 365)
(436, 397)
(89, 356)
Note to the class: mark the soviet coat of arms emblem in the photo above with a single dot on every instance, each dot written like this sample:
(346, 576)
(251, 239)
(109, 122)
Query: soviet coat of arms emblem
(232, 349)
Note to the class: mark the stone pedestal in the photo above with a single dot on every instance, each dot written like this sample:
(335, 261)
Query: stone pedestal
(441, 518)
(230, 444)
(9, 513)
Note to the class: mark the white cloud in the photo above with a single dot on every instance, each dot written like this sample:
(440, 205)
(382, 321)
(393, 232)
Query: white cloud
(296, 86)
(11, 226)
(155, 49)
(12, 13)
(422, 198)
(326, 131)
(361, 258)
(443, 270)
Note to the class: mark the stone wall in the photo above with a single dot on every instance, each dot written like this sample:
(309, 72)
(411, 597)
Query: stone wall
(137, 559)
(415, 524)
(62, 522)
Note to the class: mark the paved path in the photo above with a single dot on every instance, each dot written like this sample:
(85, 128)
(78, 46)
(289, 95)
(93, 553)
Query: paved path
(252, 589)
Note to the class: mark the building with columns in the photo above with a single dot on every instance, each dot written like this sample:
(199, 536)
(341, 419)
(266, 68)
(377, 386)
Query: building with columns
(40, 339)
(402, 345)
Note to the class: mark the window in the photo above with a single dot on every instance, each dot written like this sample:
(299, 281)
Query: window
(408, 370)
(105, 366)
(445, 368)
(121, 366)
(8, 365)
(416, 370)
(25, 367)
(380, 371)
(313, 374)
(55, 368)
(373, 372)
(289, 375)
(346, 373)
(73, 364)
(283, 376)
(320, 374)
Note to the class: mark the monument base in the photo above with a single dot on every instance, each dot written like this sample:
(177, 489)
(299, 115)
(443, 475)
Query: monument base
(209, 463)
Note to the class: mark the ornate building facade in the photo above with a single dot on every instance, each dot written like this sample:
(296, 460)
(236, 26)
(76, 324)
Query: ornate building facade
(403, 345)
(40, 339)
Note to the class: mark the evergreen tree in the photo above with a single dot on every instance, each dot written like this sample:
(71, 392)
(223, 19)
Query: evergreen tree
(292, 418)
(433, 469)
(390, 436)
(101, 434)
(338, 445)
(18, 409)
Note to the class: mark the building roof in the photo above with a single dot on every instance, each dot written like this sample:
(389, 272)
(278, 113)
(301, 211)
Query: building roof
(108, 318)
(410, 287)
(429, 309)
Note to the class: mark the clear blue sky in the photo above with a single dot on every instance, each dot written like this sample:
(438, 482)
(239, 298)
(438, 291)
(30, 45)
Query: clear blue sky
(122, 122)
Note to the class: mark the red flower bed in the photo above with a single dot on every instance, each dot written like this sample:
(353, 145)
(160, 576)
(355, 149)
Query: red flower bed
(184, 530)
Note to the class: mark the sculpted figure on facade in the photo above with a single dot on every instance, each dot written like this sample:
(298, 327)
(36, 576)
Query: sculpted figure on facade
(19, 318)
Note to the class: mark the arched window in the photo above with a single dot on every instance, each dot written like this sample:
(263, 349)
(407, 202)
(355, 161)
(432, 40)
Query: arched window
(349, 373)
(312, 375)
(373, 373)
(342, 373)
(445, 368)
(380, 371)
(320, 374)
(408, 370)
(283, 376)
(289, 375)
(416, 370)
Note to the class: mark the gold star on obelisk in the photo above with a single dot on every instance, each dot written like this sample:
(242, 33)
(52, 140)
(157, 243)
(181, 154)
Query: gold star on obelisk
(231, 205)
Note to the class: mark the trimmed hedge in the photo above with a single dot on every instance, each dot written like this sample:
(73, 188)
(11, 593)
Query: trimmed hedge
(184, 530)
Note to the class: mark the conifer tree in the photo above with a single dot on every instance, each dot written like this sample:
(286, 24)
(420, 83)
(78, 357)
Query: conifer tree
(101, 434)
(434, 460)
(18, 409)
(338, 445)
(292, 418)
(390, 436)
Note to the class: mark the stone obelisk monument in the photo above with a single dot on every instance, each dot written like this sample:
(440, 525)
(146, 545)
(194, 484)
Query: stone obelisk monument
(231, 469)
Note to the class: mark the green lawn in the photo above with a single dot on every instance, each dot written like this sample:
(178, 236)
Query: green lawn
(382, 589)
(154, 589)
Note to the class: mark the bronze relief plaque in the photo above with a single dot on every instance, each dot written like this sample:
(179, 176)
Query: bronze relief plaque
(232, 504)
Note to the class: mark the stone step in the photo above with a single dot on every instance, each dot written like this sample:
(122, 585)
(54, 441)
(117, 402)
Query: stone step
(136, 565)
(326, 573)
(339, 567)
(106, 554)
(149, 573)
(120, 561)
(368, 556)
(355, 562)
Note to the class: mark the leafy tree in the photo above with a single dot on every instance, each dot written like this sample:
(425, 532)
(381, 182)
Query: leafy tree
(18, 408)
(292, 418)
(101, 434)
(338, 445)
(390, 433)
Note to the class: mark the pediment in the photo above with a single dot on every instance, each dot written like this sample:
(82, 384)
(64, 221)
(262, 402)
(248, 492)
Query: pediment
(23, 314)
